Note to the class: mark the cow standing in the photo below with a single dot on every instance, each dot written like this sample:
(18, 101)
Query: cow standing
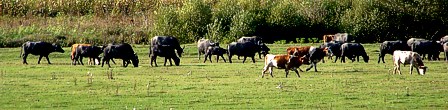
(87, 51)
(334, 48)
(203, 45)
(352, 51)
(122, 51)
(43, 49)
(215, 50)
(287, 62)
(246, 49)
(408, 57)
(312, 53)
(388, 47)
(262, 48)
(426, 47)
(165, 46)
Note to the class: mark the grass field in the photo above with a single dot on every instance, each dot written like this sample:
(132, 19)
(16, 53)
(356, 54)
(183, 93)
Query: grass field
(214, 85)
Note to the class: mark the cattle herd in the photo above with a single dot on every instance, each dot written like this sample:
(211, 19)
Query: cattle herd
(411, 52)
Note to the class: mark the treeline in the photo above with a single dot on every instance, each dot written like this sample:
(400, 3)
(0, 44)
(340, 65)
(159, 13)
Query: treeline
(135, 21)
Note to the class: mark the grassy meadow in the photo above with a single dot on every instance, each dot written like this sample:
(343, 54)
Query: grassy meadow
(219, 85)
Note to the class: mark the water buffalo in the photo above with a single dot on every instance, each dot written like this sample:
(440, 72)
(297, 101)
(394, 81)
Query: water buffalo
(215, 50)
(203, 45)
(87, 51)
(352, 51)
(165, 46)
(246, 49)
(388, 47)
(423, 47)
(262, 48)
(43, 49)
(121, 51)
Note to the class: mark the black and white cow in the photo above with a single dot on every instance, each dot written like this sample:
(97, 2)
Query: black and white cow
(245, 49)
(121, 51)
(43, 49)
(352, 50)
(408, 57)
(165, 46)
(388, 47)
(87, 51)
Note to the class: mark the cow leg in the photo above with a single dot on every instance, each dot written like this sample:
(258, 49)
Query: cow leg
(48, 60)
(124, 63)
(253, 59)
(40, 57)
(259, 55)
(313, 64)
(153, 59)
(270, 71)
(382, 58)
(265, 68)
(169, 59)
(342, 59)
(411, 68)
(357, 58)
(244, 59)
(102, 63)
(199, 55)
(297, 72)
(112, 61)
(230, 57)
(210, 58)
(205, 58)
(217, 58)
(398, 68)
(80, 60)
(287, 72)
(24, 58)
(238, 57)
(222, 56)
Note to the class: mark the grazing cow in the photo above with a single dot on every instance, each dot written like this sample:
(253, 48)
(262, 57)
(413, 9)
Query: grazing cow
(423, 47)
(246, 49)
(165, 46)
(43, 49)
(287, 62)
(203, 45)
(444, 39)
(215, 50)
(87, 51)
(328, 38)
(388, 47)
(445, 49)
(122, 51)
(262, 50)
(352, 51)
(408, 57)
(312, 53)
(334, 48)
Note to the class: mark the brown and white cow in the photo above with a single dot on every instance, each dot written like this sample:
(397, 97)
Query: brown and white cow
(287, 62)
(408, 57)
(328, 38)
(73, 51)
(312, 53)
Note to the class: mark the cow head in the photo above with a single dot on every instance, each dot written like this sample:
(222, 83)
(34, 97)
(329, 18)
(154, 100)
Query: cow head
(180, 51)
(328, 51)
(58, 48)
(176, 61)
(422, 70)
(366, 58)
(134, 60)
(264, 49)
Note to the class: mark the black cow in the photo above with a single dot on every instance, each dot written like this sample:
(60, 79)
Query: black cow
(334, 48)
(203, 45)
(423, 47)
(315, 55)
(246, 49)
(122, 51)
(91, 52)
(215, 50)
(352, 50)
(165, 46)
(43, 49)
(388, 47)
(445, 49)
(262, 50)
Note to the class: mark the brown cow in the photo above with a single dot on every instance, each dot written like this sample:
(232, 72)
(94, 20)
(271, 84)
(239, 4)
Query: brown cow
(73, 51)
(312, 53)
(328, 38)
(287, 62)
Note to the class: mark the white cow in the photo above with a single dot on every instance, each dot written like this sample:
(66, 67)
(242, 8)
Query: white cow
(408, 57)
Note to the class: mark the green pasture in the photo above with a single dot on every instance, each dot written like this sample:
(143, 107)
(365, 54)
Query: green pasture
(197, 85)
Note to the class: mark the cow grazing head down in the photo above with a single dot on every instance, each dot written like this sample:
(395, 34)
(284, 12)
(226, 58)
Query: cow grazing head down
(58, 48)
(264, 49)
(135, 60)
(180, 51)
(421, 68)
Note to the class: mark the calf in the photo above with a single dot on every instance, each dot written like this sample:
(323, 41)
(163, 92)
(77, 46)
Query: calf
(246, 49)
(408, 57)
(388, 47)
(43, 49)
(87, 51)
(312, 53)
(352, 50)
(287, 62)
(215, 50)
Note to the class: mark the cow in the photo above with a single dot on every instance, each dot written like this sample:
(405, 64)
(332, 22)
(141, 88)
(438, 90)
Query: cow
(73, 51)
(165, 46)
(388, 47)
(246, 49)
(334, 48)
(122, 51)
(215, 50)
(352, 50)
(87, 51)
(328, 38)
(341, 37)
(203, 45)
(312, 53)
(287, 62)
(43, 49)
(262, 48)
(444, 39)
(445, 50)
(423, 47)
(413, 40)
(408, 57)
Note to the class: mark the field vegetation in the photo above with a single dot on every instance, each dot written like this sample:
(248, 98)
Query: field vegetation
(134, 21)
(214, 85)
